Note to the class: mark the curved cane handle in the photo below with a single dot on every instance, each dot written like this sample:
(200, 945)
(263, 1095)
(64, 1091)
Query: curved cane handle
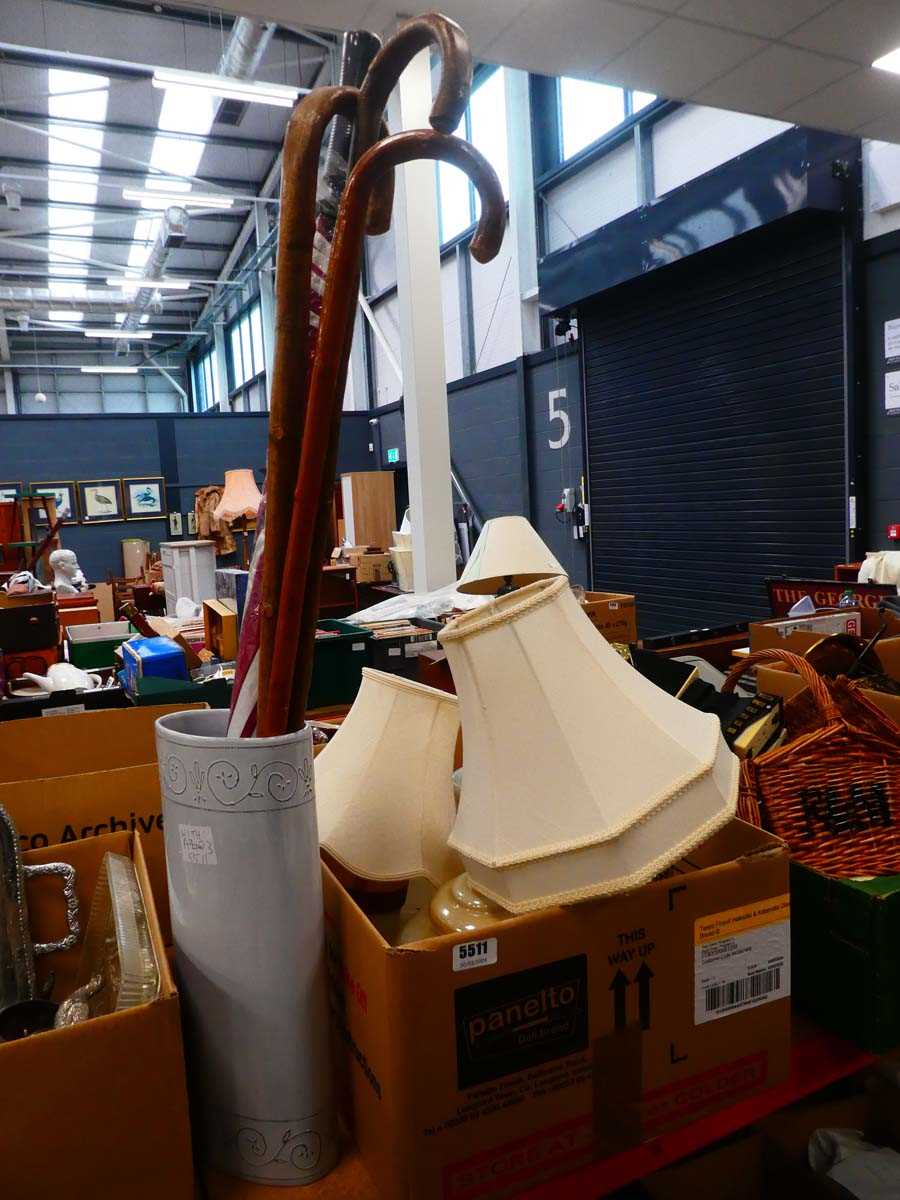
(415, 144)
(67, 874)
(804, 669)
(452, 96)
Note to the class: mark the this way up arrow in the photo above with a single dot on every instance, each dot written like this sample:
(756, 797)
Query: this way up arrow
(619, 987)
(642, 979)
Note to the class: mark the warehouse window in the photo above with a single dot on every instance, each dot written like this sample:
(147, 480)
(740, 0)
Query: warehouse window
(245, 348)
(588, 111)
(484, 125)
(206, 380)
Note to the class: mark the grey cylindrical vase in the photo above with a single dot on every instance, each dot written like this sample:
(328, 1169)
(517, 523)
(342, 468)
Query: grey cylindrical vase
(245, 890)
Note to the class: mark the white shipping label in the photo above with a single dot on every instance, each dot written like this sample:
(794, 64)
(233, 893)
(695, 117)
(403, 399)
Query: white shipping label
(357, 646)
(742, 958)
(197, 845)
(64, 710)
(411, 649)
(475, 954)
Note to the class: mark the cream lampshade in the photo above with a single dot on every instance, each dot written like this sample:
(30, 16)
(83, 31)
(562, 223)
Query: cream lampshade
(384, 790)
(508, 554)
(581, 777)
(241, 497)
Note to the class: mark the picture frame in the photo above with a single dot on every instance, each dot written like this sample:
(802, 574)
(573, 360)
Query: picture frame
(100, 500)
(10, 491)
(66, 496)
(144, 497)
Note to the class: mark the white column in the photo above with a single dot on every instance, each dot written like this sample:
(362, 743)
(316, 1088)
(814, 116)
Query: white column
(522, 208)
(266, 277)
(9, 387)
(221, 365)
(422, 347)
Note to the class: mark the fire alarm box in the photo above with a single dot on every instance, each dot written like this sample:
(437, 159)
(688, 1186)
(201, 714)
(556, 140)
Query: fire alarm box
(894, 532)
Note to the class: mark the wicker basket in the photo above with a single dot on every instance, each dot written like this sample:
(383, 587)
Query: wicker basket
(833, 794)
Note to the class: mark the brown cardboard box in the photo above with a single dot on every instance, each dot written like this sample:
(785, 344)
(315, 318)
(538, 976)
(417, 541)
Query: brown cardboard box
(87, 774)
(780, 680)
(371, 567)
(577, 1037)
(799, 636)
(220, 628)
(96, 1110)
(613, 613)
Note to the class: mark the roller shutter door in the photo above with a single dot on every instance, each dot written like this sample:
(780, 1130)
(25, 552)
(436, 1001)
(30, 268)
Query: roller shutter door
(715, 418)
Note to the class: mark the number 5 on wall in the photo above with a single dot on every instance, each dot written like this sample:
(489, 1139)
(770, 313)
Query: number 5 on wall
(559, 414)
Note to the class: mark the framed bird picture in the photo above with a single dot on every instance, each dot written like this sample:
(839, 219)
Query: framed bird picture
(145, 497)
(64, 495)
(100, 500)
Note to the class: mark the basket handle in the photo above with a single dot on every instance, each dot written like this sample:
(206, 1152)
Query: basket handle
(808, 673)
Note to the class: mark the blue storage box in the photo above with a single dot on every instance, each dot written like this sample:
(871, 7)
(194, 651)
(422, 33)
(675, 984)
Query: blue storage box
(158, 657)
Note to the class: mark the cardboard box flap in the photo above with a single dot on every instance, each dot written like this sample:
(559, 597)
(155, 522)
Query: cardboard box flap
(92, 741)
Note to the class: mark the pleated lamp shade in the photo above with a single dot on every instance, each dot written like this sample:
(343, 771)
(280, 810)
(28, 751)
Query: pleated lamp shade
(508, 553)
(241, 497)
(581, 778)
(384, 789)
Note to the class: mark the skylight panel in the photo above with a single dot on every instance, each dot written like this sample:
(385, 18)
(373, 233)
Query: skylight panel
(83, 96)
(64, 314)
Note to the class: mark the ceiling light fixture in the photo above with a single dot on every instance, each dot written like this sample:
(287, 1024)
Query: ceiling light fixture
(109, 370)
(250, 90)
(149, 198)
(143, 335)
(162, 285)
(889, 62)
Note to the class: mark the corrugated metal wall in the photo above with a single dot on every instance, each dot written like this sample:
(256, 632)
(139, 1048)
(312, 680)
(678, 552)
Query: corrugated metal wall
(715, 414)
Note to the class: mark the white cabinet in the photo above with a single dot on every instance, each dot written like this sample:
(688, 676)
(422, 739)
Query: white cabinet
(189, 569)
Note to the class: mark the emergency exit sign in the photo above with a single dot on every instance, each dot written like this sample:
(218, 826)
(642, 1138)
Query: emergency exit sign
(393, 454)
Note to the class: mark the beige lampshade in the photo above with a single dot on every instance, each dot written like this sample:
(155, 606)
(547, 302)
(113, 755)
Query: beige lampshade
(384, 790)
(241, 497)
(581, 777)
(508, 549)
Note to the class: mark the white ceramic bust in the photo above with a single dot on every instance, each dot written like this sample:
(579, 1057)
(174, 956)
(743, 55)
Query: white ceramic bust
(68, 577)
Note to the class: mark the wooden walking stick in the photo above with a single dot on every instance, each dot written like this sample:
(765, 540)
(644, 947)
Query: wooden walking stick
(295, 345)
(293, 656)
(449, 104)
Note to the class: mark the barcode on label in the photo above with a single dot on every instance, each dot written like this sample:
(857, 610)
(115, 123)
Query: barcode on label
(738, 991)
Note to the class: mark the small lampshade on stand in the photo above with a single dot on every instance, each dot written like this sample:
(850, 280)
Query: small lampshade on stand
(581, 777)
(507, 555)
(384, 790)
(239, 504)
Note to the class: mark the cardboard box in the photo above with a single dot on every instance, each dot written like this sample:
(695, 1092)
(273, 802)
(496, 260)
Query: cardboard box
(779, 680)
(220, 626)
(613, 613)
(84, 775)
(371, 567)
(97, 1109)
(801, 634)
(567, 1034)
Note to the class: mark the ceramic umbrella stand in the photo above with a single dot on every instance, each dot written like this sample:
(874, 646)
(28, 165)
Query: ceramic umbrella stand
(247, 923)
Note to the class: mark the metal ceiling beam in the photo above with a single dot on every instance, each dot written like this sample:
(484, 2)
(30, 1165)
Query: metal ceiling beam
(9, 237)
(142, 131)
(108, 174)
(129, 211)
(22, 267)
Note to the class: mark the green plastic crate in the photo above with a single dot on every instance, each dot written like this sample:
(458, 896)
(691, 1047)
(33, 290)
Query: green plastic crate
(94, 646)
(338, 664)
(845, 938)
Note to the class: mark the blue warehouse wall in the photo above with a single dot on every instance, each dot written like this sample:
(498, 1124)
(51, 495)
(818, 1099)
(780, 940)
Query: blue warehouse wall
(503, 444)
(189, 451)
